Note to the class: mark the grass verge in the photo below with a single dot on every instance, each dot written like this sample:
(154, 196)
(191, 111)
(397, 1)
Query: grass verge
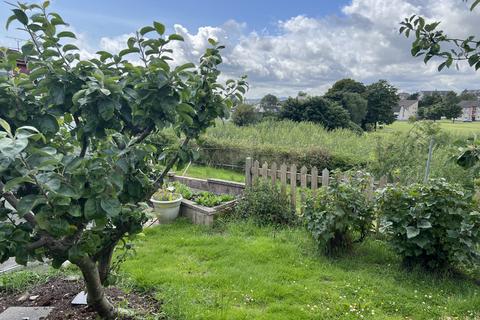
(240, 271)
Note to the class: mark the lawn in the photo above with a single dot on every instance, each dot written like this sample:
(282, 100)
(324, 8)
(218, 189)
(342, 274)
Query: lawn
(205, 172)
(239, 271)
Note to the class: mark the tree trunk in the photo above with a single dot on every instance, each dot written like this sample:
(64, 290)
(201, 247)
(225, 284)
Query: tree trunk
(104, 263)
(95, 290)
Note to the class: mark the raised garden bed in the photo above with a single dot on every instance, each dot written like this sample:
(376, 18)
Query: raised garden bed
(203, 214)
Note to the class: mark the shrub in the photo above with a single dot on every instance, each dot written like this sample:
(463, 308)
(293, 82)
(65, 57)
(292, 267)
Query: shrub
(244, 115)
(434, 225)
(266, 204)
(340, 212)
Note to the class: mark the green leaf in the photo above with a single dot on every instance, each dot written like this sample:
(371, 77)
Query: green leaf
(146, 30)
(111, 206)
(184, 67)
(75, 211)
(106, 108)
(175, 37)
(4, 124)
(128, 51)
(11, 184)
(185, 108)
(474, 4)
(424, 224)
(47, 123)
(66, 34)
(160, 28)
(69, 47)
(213, 42)
(21, 16)
(90, 209)
(29, 203)
(9, 20)
(412, 232)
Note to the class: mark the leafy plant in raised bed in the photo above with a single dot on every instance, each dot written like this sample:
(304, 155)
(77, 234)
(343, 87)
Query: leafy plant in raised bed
(339, 213)
(75, 164)
(208, 199)
(204, 198)
(266, 204)
(435, 225)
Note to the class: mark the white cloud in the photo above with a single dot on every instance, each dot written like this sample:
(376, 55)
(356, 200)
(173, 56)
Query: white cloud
(310, 54)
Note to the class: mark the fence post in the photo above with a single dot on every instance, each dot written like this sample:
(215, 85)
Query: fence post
(293, 186)
(314, 180)
(303, 185)
(248, 172)
(283, 178)
(264, 171)
(255, 168)
(273, 173)
(325, 178)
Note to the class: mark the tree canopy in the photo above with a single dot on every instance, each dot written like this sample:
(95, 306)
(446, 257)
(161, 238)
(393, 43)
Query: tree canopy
(382, 97)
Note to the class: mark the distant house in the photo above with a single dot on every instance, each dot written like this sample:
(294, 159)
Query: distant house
(470, 110)
(404, 95)
(472, 92)
(21, 64)
(406, 109)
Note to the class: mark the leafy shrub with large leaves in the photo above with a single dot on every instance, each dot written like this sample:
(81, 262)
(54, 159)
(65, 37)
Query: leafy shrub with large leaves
(266, 204)
(339, 213)
(76, 161)
(434, 225)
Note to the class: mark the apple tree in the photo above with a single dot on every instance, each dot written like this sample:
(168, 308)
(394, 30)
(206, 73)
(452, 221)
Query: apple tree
(76, 163)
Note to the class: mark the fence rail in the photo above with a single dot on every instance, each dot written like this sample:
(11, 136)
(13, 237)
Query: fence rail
(290, 177)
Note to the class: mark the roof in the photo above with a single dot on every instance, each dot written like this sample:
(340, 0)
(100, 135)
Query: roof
(469, 103)
(406, 104)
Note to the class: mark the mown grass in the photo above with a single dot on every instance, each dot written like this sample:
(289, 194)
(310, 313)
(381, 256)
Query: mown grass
(240, 271)
(205, 172)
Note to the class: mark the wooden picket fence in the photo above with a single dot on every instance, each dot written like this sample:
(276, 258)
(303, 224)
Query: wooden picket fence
(290, 178)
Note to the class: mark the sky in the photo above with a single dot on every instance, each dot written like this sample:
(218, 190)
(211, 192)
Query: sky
(282, 46)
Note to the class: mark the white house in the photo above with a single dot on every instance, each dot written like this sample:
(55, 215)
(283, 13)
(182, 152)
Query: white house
(406, 109)
(470, 110)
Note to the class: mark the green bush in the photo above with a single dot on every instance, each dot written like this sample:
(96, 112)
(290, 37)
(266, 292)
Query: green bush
(434, 225)
(244, 115)
(339, 213)
(266, 204)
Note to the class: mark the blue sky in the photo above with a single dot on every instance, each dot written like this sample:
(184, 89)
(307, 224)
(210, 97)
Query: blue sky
(282, 46)
(113, 17)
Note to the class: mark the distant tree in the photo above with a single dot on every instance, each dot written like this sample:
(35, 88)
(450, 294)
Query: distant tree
(434, 112)
(430, 100)
(343, 86)
(292, 109)
(302, 94)
(244, 115)
(414, 96)
(318, 110)
(356, 105)
(327, 113)
(467, 96)
(269, 104)
(382, 97)
(450, 106)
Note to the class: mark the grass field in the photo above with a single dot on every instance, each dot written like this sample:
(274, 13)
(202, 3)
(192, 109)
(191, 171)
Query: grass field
(459, 128)
(239, 271)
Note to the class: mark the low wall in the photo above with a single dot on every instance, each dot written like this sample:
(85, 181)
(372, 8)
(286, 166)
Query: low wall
(216, 186)
(203, 215)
